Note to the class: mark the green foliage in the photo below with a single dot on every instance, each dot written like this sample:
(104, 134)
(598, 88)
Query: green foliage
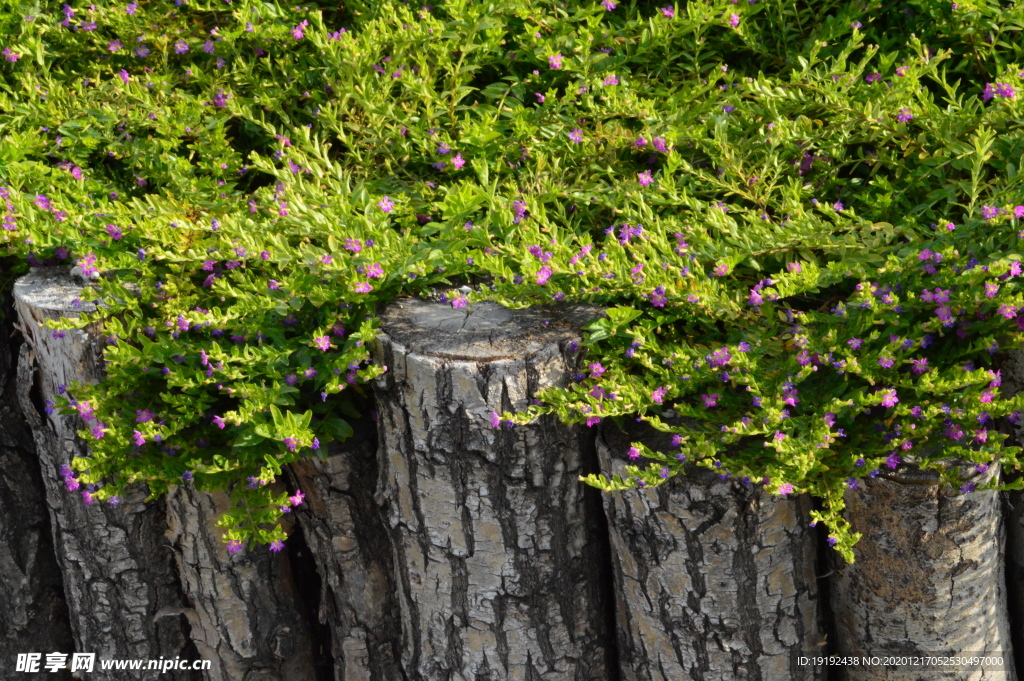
(748, 187)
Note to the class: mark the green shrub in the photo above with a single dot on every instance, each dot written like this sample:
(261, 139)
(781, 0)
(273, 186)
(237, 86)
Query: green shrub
(749, 187)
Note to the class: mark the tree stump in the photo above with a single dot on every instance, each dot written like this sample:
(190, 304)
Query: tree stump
(122, 588)
(349, 541)
(244, 616)
(713, 581)
(496, 575)
(35, 616)
(928, 579)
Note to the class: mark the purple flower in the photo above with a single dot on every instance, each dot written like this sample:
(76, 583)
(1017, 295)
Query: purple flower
(555, 61)
(889, 398)
(460, 301)
(10, 56)
(710, 400)
(721, 270)
(543, 275)
(276, 545)
(609, 5)
(645, 179)
(611, 80)
(386, 204)
(273, 285)
(855, 343)
(219, 422)
(234, 546)
(539, 96)
(181, 47)
(141, 51)
(668, 12)
(989, 212)
(886, 362)
(785, 488)
(363, 287)
(322, 343)
(114, 45)
(904, 116)
(596, 370)
(138, 438)
(131, 8)
(576, 135)
(734, 20)
(458, 161)
(659, 394)
(634, 453)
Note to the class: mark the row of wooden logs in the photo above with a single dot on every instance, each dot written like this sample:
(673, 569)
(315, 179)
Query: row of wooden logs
(434, 546)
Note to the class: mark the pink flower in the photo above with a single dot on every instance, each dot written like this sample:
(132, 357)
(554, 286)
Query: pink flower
(495, 419)
(114, 45)
(124, 76)
(611, 80)
(297, 499)
(645, 179)
(555, 61)
(785, 488)
(363, 287)
(608, 4)
(322, 343)
(734, 20)
(219, 422)
(460, 301)
(634, 453)
(458, 161)
(386, 204)
(668, 12)
(576, 135)
(659, 395)
(889, 398)
(543, 275)
(1018, 211)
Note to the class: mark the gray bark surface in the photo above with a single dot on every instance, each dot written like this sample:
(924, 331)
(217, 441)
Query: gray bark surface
(928, 579)
(122, 588)
(245, 609)
(493, 558)
(348, 539)
(714, 581)
(34, 617)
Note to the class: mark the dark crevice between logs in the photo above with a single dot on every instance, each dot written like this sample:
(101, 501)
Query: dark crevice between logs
(600, 537)
(826, 565)
(26, 531)
(309, 585)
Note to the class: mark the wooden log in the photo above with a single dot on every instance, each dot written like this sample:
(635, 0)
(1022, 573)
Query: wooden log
(713, 580)
(245, 615)
(35, 615)
(122, 588)
(349, 542)
(928, 579)
(493, 560)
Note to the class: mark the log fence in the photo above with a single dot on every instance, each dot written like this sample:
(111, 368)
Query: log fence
(435, 546)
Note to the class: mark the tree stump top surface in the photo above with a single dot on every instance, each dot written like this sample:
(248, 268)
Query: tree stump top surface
(52, 289)
(483, 331)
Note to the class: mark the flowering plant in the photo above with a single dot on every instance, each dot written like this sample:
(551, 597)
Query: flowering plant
(760, 197)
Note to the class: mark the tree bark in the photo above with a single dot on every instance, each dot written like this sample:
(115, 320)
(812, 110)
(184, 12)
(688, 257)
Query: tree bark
(122, 589)
(350, 544)
(35, 615)
(928, 578)
(245, 615)
(714, 581)
(496, 575)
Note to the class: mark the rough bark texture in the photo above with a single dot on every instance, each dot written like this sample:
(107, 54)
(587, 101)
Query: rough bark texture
(34, 616)
(928, 578)
(348, 539)
(496, 575)
(245, 616)
(713, 581)
(122, 587)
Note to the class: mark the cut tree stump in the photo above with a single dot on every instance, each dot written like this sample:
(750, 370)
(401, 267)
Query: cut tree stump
(349, 541)
(35, 615)
(122, 588)
(497, 575)
(244, 616)
(929, 578)
(713, 581)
